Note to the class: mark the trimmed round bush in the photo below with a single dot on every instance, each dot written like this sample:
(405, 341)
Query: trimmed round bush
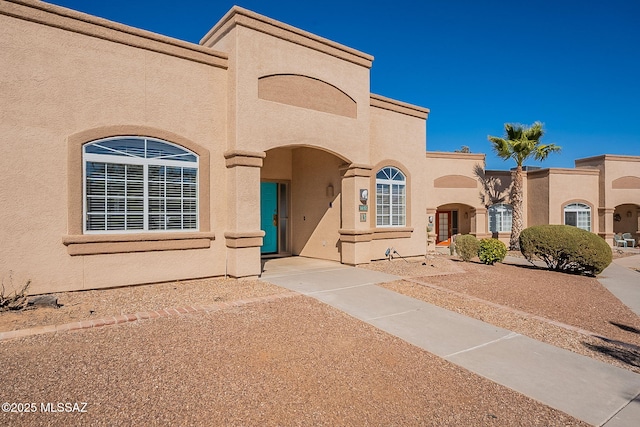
(491, 251)
(566, 248)
(467, 247)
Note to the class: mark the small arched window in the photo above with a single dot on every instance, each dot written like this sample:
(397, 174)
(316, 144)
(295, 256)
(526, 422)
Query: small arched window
(500, 218)
(578, 215)
(135, 184)
(391, 199)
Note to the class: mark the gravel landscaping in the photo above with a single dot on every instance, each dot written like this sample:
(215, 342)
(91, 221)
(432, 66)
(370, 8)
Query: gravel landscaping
(296, 361)
(568, 311)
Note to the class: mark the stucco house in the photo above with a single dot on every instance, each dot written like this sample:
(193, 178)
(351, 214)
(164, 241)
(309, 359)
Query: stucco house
(131, 157)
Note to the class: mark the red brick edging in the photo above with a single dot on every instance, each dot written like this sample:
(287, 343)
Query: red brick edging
(144, 315)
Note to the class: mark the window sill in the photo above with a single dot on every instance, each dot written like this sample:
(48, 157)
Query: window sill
(94, 244)
(392, 233)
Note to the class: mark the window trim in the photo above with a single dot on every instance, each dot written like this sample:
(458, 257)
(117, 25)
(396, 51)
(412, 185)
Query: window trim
(578, 202)
(495, 207)
(389, 231)
(86, 244)
(145, 162)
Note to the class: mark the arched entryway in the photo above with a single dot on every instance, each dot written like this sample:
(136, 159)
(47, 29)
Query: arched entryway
(626, 220)
(300, 202)
(452, 219)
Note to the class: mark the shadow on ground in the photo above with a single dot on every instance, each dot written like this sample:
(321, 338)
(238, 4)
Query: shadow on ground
(626, 327)
(624, 352)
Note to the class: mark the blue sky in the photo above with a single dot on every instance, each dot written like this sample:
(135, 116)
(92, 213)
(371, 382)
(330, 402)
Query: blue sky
(573, 65)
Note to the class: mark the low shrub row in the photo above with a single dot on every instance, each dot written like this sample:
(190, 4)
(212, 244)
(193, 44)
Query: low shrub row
(561, 247)
(489, 251)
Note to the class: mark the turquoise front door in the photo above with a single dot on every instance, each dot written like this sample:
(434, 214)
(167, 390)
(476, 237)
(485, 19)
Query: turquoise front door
(269, 216)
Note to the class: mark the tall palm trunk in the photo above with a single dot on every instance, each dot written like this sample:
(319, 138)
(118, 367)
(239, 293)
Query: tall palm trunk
(518, 215)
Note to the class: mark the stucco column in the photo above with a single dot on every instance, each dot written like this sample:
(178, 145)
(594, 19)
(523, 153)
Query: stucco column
(243, 235)
(637, 236)
(431, 230)
(355, 229)
(606, 218)
(479, 223)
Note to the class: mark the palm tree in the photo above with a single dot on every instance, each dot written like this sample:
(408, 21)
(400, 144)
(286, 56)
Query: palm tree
(520, 143)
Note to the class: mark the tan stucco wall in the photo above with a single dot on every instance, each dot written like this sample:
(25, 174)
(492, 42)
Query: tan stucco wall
(327, 79)
(443, 168)
(260, 124)
(315, 216)
(572, 186)
(398, 139)
(71, 73)
(451, 180)
(629, 221)
(500, 182)
(278, 165)
(618, 185)
(259, 100)
(550, 190)
(537, 197)
(620, 178)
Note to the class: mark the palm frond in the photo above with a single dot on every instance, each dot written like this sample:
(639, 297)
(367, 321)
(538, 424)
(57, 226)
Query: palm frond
(521, 142)
(543, 151)
(501, 147)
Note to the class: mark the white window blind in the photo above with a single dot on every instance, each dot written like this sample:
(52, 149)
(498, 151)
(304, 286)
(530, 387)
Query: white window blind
(134, 184)
(391, 200)
(578, 215)
(500, 218)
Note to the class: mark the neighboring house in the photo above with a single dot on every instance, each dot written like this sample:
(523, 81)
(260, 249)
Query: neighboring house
(131, 158)
(601, 194)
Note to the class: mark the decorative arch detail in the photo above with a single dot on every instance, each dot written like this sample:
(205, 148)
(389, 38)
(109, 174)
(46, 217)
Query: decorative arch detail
(626, 183)
(455, 181)
(306, 92)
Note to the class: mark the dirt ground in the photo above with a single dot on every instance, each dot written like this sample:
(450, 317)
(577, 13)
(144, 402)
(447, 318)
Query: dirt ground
(95, 304)
(289, 362)
(295, 361)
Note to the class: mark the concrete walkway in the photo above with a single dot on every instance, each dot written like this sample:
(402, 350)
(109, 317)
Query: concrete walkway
(622, 279)
(595, 392)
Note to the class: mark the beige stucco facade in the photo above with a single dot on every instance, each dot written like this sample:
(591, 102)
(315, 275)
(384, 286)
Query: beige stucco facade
(259, 103)
(618, 193)
(606, 187)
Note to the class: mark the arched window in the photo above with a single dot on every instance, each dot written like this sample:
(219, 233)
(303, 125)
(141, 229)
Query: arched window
(134, 184)
(500, 217)
(391, 199)
(578, 215)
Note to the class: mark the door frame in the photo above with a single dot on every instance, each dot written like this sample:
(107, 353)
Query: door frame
(452, 228)
(439, 240)
(283, 209)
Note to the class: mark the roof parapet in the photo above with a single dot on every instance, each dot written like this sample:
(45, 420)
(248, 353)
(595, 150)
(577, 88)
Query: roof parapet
(246, 18)
(398, 106)
(92, 26)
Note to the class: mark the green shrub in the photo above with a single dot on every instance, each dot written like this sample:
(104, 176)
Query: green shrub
(467, 247)
(566, 248)
(491, 251)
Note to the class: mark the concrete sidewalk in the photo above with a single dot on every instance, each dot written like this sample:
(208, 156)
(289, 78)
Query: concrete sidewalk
(622, 279)
(592, 391)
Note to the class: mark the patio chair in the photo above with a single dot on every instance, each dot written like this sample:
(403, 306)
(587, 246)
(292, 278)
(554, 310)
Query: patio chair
(629, 239)
(619, 241)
